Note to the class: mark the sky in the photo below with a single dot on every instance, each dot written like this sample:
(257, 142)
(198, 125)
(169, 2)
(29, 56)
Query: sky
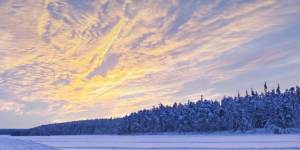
(63, 60)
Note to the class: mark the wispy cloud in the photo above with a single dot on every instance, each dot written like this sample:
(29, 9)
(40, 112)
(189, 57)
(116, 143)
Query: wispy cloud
(90, 58)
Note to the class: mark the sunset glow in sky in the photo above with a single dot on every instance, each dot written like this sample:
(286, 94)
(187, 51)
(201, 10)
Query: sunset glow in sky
(63, 60)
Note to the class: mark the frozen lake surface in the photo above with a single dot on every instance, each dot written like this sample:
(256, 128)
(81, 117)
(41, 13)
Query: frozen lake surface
(171, 142)
(10, 143)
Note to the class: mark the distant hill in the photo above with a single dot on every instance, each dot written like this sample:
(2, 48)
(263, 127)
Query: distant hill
(273, 109)
(12, 131)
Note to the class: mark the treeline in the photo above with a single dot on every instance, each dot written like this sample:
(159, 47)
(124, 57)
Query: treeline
(272, 109)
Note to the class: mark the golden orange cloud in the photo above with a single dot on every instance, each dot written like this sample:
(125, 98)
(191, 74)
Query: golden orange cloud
(51, 50)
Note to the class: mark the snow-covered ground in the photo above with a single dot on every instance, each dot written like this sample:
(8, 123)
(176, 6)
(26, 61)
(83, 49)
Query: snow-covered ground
(9, 143)
(172, 142)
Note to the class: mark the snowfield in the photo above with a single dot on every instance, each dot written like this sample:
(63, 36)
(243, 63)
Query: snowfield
(171, 142)
(8, 143)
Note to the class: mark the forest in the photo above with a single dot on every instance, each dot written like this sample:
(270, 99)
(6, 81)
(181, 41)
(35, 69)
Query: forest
(274, 110)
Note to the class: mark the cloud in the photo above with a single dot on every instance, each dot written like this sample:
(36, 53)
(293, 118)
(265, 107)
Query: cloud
(90, 58)
(11, 106)
(108, 64)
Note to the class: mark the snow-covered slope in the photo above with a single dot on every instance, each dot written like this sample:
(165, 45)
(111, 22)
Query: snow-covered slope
(7, 143)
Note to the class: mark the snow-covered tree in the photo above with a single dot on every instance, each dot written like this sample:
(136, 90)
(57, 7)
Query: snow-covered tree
(276, 110)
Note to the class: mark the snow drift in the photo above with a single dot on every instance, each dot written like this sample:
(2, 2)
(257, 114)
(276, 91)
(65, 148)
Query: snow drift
(7, 143)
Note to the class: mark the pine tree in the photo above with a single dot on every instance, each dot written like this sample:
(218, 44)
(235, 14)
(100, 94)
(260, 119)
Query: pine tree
(276, 111)
(265, 87)
(278, 90)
